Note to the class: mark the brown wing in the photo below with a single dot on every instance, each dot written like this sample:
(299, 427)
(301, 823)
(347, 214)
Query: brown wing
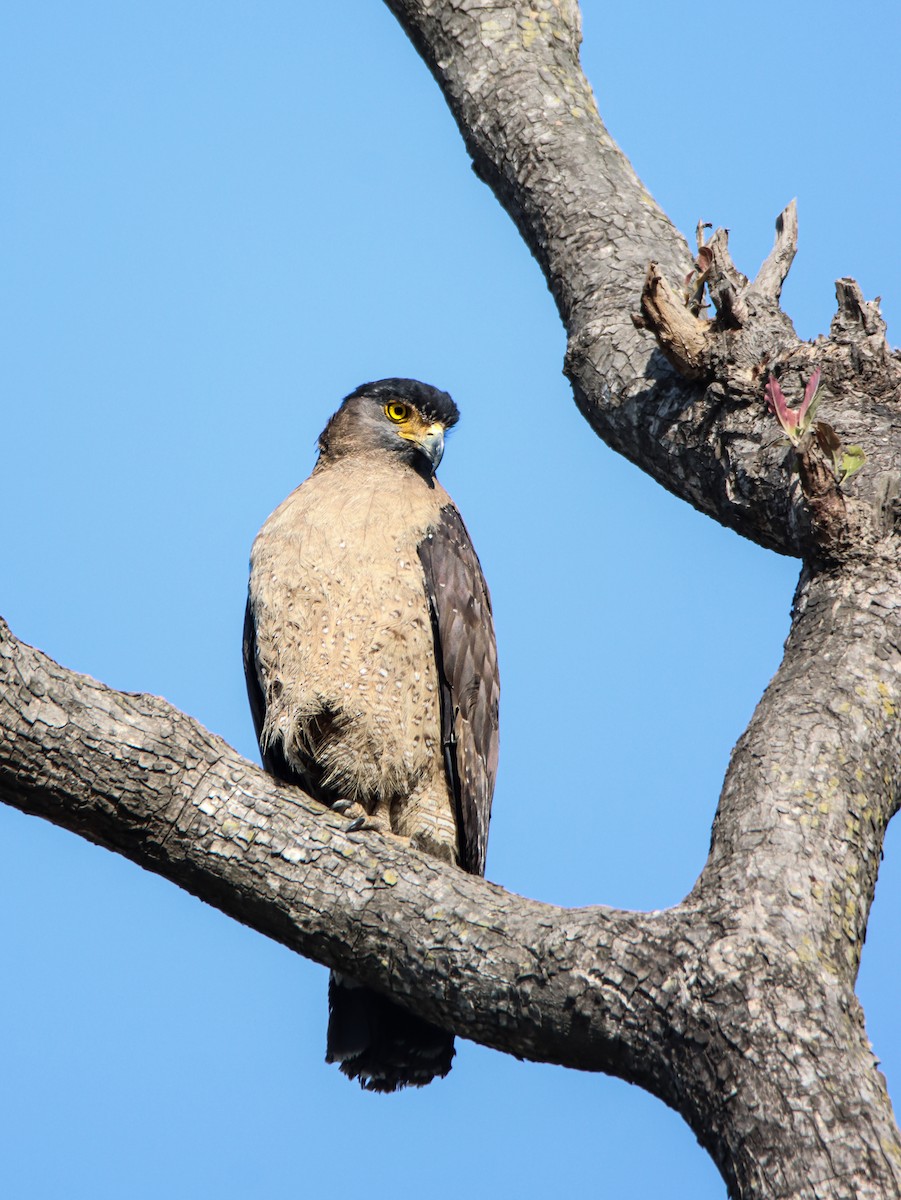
(466, 655)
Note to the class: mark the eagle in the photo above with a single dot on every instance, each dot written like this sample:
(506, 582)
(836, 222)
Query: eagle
(371, 667)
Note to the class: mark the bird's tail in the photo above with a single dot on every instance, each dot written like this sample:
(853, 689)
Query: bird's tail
(381, 1044)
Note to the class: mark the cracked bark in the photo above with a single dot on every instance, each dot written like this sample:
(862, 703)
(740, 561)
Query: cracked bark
(737, 1006)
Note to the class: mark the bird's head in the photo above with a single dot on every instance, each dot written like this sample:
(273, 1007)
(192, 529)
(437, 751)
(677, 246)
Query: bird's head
(401, 416)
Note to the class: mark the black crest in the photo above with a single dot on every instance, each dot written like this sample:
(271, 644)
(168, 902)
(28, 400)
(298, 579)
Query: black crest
(434, 404)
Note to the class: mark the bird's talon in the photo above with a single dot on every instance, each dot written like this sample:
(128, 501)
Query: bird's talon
(341, 806)
(356, 824)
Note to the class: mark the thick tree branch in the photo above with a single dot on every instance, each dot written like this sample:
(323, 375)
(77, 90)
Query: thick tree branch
(792, 871)
(131, 773)
(511, 76)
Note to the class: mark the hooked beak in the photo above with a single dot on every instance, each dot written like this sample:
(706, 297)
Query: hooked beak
(432, 444)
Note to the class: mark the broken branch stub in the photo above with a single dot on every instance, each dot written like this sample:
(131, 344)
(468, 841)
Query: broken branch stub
(682, 336)
(748, 313)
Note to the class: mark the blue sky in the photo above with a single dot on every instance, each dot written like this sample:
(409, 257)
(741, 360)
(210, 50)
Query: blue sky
(217, 219)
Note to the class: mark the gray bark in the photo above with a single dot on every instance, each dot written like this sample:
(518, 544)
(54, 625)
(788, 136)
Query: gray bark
(737, 1006)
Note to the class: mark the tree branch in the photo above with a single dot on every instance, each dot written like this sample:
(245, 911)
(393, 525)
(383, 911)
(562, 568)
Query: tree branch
(131, 773)
(511, 76)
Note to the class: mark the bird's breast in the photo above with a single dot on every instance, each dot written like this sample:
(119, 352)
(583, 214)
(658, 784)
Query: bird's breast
(343, 627)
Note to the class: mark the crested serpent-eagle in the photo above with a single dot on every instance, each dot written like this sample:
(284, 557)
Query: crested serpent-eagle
(372, 672)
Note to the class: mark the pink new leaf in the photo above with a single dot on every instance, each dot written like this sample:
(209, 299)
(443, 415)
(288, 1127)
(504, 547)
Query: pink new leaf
(809, 402)
(787, 417)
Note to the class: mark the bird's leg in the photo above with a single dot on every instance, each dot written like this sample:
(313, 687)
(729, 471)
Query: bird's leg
(427, 818)
(425, 841)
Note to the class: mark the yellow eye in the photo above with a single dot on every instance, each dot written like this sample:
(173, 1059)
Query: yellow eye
(397, 412)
